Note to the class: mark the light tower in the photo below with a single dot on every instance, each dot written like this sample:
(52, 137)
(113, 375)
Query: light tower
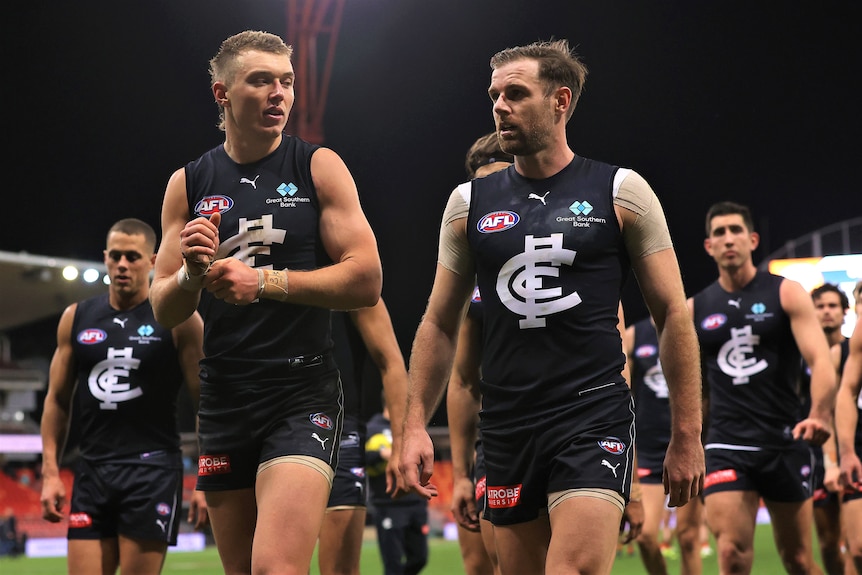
(312, 29)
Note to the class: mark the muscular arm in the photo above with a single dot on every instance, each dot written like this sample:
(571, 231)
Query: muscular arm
(847, 413)
(55, 418)
(375, 326)
(463, 400)
(430, 365)
(355, 278)
(814, 348)
(661, 285)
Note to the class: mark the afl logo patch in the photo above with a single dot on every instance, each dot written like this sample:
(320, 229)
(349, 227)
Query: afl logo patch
(497, 222)
(321, 420)
(212, 204)
(646, 351)
(477, 297)
(714, 321)
(612, 445)
(91, 336)
(163, 509)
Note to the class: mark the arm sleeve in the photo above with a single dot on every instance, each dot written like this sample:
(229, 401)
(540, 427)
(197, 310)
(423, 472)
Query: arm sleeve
(650, 233)
(453, 252)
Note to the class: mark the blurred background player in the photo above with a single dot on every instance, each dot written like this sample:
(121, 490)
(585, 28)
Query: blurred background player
(754, 327)
(115, 375)
(401, 522)
(848, 421)
(652, 420)
(831, 305)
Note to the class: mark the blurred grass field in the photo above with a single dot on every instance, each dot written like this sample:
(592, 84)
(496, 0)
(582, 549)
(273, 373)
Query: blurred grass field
(445, 559)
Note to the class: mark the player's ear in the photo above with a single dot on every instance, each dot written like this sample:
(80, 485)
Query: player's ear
(755, 240)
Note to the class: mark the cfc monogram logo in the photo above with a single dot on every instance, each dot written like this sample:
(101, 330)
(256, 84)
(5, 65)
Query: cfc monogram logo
(654, 379)
(104, 380)
(254, 238)
(521, 286)
(732, 358)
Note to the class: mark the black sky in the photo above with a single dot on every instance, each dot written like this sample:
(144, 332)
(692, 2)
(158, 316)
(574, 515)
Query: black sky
(742, 100)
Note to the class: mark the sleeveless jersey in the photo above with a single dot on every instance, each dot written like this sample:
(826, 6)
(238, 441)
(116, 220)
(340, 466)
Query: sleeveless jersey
(652, 406)
(550, 265)
(128, 377)
(270, 219)
(751, 362)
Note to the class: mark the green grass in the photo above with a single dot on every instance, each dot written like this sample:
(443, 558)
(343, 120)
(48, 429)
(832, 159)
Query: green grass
(445, 559)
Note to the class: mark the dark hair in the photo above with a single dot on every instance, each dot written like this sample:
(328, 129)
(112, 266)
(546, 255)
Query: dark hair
(826, 288)
(558, 66)
(135, 227)
(485, 150)
(727, 209)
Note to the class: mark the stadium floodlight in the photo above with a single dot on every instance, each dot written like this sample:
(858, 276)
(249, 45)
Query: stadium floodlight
(91, 275)
(70, 273)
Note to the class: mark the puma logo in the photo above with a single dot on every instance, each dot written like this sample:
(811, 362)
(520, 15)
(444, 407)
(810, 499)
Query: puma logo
(252, 182)
(162, 524)
(121, 322)
(735, 302)
(322, 440)
(611, 467)
(540, 198)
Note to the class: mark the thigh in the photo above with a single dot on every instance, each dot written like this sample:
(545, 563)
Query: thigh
(93, 556)
(851, 516)
(791, 529)
(150, 503)
(732, 517)
(584, 533)
(654, 504)
(291, 502)
(340, 542)
(141, 557)
(232, 517)
(522, 548)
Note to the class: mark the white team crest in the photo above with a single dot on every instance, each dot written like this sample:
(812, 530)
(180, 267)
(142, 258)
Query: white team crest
(733, 359)
(521, 285)
(108, 379)
(654, 379)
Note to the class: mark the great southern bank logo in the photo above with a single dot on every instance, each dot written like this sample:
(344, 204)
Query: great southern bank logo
(287, 189)
(581, 208)
(497, 222)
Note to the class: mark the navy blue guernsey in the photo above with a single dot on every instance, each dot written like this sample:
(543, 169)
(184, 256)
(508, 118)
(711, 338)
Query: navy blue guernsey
(550, 265)
(751, 362)
(652, 406)
(270, 219)
(128, 377)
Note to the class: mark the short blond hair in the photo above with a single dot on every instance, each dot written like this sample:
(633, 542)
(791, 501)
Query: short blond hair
(223, 65)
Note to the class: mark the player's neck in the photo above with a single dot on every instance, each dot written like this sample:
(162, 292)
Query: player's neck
(125, 302)
(734, 279)
(545, 163)
(834, 336)
(245, 150)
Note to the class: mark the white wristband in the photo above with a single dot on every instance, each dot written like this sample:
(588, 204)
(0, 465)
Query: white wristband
(188, 282)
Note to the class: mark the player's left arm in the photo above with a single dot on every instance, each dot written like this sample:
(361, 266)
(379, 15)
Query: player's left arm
(814, 348)
(188, 339)
(355, 278)
(847, 413)
(655, 265)
(375, 327)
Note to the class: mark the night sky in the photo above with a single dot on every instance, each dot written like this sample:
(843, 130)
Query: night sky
(741, 100)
